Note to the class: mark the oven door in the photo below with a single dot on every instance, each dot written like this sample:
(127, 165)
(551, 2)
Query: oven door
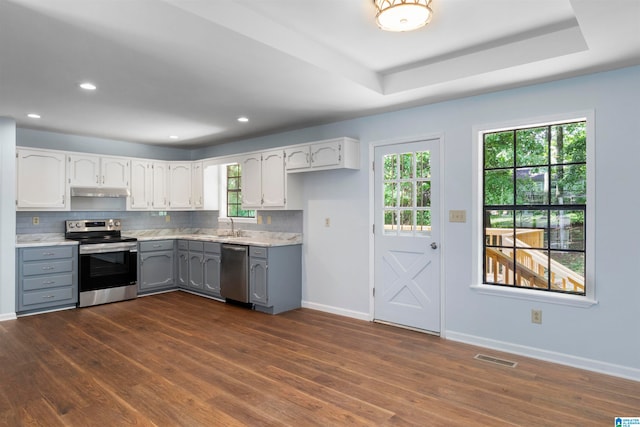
(107, 270)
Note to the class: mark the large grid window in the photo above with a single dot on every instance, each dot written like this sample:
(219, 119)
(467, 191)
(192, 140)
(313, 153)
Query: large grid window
(534, 207)
(234, 193)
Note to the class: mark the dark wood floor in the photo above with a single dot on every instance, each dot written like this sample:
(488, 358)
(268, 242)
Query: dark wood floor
(179, 359)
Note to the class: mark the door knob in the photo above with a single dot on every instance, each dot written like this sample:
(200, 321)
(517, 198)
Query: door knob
(434, 245)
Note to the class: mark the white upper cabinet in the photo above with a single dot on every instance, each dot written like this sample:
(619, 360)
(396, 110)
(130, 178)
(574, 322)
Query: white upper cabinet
(95, 171)
(265, 184)
(159, 200)
(338, 153)
(141, 185)
(179, 185)
(251, 181)
(298, 157)
(41, 180)
(197, 182)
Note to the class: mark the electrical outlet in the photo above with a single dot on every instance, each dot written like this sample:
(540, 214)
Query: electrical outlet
(167, 218)
(35, 220)
(327, 222)
(259, 220)
(536, 316)
(457, 216)
(268, 219)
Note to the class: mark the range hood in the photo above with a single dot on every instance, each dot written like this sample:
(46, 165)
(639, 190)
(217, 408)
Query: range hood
(99, 192)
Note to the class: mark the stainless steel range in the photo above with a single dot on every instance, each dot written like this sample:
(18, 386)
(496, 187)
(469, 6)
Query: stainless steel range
(108, 261)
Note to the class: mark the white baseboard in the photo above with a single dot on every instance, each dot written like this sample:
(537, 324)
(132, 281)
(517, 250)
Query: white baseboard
(7, 316)
(548, 356)
(336, 310)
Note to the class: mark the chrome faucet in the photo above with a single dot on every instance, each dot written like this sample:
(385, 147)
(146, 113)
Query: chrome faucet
(233, 233)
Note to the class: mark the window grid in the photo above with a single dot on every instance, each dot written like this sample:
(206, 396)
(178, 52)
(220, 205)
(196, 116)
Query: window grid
(234, 193)
(503, 252)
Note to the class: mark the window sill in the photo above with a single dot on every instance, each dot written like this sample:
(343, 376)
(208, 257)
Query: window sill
(537, 296)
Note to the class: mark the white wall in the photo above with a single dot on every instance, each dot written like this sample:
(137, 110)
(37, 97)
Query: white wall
(603, 337)
(7, 218)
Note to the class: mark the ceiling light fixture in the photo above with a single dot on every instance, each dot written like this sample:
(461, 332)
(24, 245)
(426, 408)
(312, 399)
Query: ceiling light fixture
(243, 119)
(402, 15)
(173, 136)
(34, 116)
(88, 86)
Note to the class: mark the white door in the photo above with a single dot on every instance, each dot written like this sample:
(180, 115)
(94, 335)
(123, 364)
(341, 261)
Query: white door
(407, 230)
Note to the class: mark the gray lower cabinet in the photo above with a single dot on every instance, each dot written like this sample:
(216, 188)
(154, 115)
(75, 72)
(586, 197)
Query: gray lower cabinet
(196, 266)
(203, 267)
(211, 262)
(183, 263)
(156, 266)
(275, 278)
(47, 278)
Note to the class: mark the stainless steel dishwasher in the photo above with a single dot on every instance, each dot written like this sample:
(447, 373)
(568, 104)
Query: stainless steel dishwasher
(234, 273)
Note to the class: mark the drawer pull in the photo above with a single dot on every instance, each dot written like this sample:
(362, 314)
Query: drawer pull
(48, 296)
(50, 282)
(48, 253)
(48, 268)
(157, 246)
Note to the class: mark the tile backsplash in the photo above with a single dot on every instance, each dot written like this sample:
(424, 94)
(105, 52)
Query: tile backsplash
(53, 222)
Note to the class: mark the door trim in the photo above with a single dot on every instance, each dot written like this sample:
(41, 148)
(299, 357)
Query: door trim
(393, 141)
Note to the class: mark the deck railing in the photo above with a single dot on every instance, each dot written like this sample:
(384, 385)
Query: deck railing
(530, 264)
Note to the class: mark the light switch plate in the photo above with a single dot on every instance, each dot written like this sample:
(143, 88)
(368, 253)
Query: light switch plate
(458, 216)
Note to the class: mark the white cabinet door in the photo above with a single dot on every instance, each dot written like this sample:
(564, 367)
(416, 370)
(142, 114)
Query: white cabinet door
(273, 179)
(84, 170)
(41, 177)
(115, 172)
(326, 154)
(141, 185)
(197, 182)
(251, 181)
(298, 158)
(160, 179)
(179, 185)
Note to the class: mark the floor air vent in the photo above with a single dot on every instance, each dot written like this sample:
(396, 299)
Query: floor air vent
(496, 360)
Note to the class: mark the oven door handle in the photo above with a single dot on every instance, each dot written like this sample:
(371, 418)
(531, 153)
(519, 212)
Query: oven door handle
(102, 248)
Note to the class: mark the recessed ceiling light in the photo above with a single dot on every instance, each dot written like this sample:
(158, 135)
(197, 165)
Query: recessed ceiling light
(173, 136)
(34, 116)
(243, 119)
(88, 86)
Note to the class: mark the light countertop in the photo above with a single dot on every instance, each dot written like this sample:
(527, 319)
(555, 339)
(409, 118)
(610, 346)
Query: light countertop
(250, 238)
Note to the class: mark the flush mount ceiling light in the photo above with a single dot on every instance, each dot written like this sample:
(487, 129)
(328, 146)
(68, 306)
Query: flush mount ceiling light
(174, 137)
(402, 15)
(34, 116)
(88, 86)
(243, 119)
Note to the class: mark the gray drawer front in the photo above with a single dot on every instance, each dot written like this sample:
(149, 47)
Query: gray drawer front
(212, 247)
(196, 246)
(53, 267)
(257, 252)
(49, 296)
(183, 245)
(156, 245)
(47, 282)
(38, 254)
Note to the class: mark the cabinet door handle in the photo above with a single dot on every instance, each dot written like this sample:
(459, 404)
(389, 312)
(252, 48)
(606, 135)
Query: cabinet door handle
(49, 282)
(48, 253)
(97, 179)
(48, 268)
(48, 296)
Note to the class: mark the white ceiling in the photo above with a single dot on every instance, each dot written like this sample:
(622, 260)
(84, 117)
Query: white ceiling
(192, 67)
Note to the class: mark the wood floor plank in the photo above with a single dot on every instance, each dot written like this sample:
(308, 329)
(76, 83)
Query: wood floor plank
(176, 359)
